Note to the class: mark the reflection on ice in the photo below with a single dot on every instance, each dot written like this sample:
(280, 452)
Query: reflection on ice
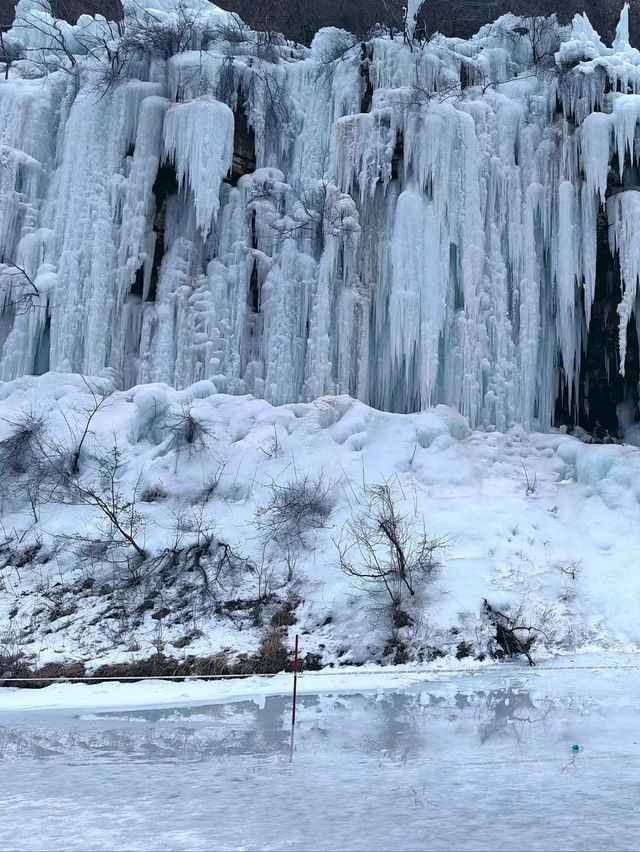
(394, 723)
(439, 767)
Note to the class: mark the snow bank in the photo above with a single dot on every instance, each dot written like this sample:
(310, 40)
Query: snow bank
(541, 525)
(557, 678)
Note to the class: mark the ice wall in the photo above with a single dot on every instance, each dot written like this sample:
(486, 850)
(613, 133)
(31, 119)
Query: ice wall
(420, 226)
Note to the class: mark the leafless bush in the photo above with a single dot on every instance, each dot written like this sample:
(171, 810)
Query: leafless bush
(147, 36)
(102, 490)
(341, 47)
(10, 51)
(20, 450)
(58, 55)
(153, 494)
(99, 396)
(529, 480)
(264, 575)
(280, 112)
(211, 484)
(13, 659)
(573, 569)
(293, 512)
(272, 654)
(383, 553)
(233, 31)
(226, 87)
(47, 469)
(188, 433)
(116, 49)
(509, 632)
(197, 549)
(18, 291)
(274, 450)
(318, 209)
(419, 96)
(24, 467)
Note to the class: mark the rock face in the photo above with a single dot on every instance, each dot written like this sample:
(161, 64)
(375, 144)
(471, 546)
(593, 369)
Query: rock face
(71, 10)
(244, 145)
(447, 224)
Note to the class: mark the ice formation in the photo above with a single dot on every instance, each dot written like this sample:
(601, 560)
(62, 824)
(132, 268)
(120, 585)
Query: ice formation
(407, 226)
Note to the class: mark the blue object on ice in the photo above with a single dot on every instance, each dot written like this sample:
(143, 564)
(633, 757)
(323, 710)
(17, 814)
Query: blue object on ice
(575, 748)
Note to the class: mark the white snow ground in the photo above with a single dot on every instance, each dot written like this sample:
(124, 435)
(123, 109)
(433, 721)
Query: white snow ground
(509, 546)
(480, 762)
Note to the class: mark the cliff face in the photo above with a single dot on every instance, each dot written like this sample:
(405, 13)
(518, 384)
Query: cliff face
(185, 199)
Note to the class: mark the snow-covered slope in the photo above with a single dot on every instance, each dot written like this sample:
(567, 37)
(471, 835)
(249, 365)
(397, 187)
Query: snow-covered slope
(543, 526)
(407, 226)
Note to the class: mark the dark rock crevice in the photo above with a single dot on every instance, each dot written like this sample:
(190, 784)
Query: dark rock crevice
(244, 144)
(165, 186)
(603, 392)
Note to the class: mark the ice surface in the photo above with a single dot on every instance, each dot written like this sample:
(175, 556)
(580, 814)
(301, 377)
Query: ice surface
(437, 765)
(420, 227)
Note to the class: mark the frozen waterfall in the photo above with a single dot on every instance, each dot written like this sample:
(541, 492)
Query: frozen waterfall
(407, 226)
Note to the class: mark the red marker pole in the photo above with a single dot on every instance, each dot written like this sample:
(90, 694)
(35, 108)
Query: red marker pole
(295, 695)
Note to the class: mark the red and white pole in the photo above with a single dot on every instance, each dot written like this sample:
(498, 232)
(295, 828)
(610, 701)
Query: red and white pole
(295, 696)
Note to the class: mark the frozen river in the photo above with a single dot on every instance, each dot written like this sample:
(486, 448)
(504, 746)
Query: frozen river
(482, 762)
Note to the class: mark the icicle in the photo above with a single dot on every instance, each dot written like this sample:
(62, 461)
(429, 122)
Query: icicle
(567, 266)
(199, 138)
(412, 9)
(420, 227)
(595, 135)
(624, 219)
(621, 41)
(417, 304)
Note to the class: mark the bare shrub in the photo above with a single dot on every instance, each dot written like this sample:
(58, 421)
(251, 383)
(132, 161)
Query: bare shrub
(153, 494)
(530, 481)
(294, 511)
(188, 432)
(101, 489)
(116, 48)
(318, 209)
(573, 569)
(10, 51)
(12, 657)
(48, 470)
(23, 465)
(272, 654)
(99, 396)
(381, 550)
(211, 484)
(217, 664)
(20, 449)
(264, 574)
(511, 637)
(233, 31)
(198, 550)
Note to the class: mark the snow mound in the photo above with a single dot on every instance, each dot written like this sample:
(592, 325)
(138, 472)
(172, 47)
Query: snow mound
(539, 525)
